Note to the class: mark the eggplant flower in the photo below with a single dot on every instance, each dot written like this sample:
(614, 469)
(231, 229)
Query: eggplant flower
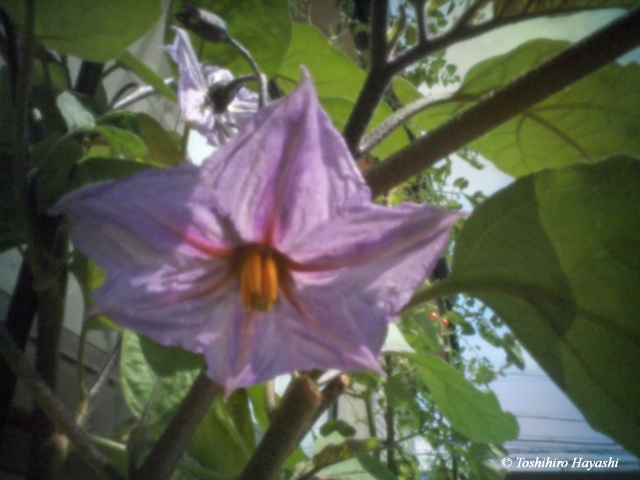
(211, 100)
(270, 258)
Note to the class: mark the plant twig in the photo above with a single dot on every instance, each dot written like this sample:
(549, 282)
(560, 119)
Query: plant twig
(399, 117)
(168, 451)
(101, 381)
(291, 422)
(574, 63)
(466, 17)
(45, 398)
(378, 38)
(377, 80)
(331, 392)
(419, 7)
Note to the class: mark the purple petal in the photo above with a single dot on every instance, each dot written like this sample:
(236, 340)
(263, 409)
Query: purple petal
(286, 172)
(192, 86)
(380, 251)
(173, 306)
(151, 218)
(324, 330)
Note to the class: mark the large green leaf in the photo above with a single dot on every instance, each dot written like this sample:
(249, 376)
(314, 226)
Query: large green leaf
(147, 367)
(56, 174)
(556, 256)
(475, 414)
(96, 30)
(338, 81)
(225, 439)
(162, 150)
(262, 26)
(594, 118)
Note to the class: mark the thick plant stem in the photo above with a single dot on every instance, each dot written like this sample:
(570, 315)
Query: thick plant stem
(571, 65)
(368, 99)
(168, 452)
(291, 422)
(20, 315)
(377, 80)
(48, 448)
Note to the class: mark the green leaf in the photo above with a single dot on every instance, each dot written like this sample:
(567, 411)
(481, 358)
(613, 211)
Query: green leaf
(512, 8)
(334, 74)
(75, 112)
(401, 394)
(148, 76)
(567, 281)
(225, 438)
(349, 448)
(122, 141)
(482, 462)
(88, 275)
(55, 178)
(420, 331)
(262, 26)
(162, 150)
(96, 30)
(475, 414)
(256, 397)
(140, 128)
(353, 461)
(143, 364)
(594, 118)
(121, 119)
(338, 81)
(336, 425)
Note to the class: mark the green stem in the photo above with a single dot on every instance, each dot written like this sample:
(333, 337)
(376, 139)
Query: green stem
(367, 398)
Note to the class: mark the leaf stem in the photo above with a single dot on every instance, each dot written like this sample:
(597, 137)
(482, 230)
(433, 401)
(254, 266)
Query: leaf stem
(262, 84)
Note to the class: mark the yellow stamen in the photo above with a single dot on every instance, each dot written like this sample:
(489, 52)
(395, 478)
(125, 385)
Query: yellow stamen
(259, 281)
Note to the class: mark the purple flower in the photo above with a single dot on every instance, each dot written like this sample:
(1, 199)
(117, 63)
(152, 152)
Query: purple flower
(210, 100)
(270, 258)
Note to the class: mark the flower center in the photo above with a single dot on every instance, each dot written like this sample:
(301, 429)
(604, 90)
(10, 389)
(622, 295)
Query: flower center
(259, 280)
